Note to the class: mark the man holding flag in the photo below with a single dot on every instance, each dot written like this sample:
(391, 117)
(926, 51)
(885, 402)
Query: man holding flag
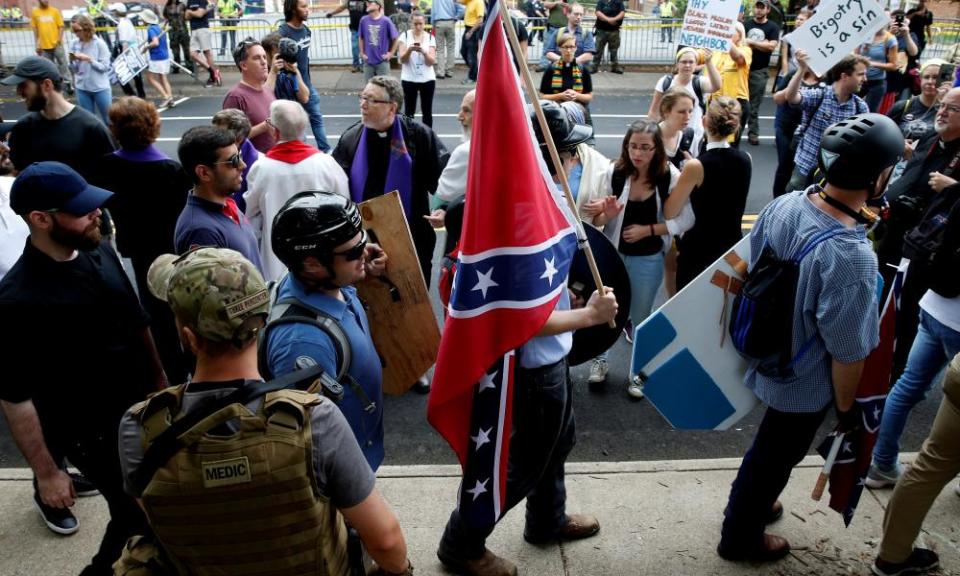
(501, 392)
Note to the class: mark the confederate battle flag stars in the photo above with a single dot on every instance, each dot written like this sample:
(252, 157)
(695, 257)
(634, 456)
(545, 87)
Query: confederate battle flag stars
(849, 470)
(516, 247)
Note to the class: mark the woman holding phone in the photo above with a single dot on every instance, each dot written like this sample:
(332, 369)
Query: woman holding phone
(418, 54)
(90, 62)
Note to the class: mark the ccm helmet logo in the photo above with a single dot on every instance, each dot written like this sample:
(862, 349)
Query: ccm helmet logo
(226, 472)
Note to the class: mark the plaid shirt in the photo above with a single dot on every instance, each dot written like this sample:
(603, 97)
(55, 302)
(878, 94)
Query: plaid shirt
(835, 305)
(821, 109)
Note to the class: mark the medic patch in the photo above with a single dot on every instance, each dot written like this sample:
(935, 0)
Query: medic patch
(226, 472)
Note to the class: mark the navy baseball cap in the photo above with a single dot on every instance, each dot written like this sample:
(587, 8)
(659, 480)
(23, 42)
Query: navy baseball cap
(54, 186)
(32, 68)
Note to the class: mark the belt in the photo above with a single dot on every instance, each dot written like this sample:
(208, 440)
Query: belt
(539, 369)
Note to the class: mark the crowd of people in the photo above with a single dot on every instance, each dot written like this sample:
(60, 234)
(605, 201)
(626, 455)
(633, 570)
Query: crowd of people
(246, 249)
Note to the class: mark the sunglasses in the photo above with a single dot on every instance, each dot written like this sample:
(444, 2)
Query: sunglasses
(356, 251)
(234, 161)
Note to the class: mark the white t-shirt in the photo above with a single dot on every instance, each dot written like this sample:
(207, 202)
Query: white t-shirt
(126, 32)
(415, 69)
(13, 230)
(944, 310)
(696, 118)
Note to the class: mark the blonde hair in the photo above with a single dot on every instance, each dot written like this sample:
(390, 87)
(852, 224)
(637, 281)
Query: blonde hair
(723, 116)
(84, 22)
(563, 36)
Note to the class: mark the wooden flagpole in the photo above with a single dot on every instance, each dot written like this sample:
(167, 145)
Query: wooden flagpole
(534, 97)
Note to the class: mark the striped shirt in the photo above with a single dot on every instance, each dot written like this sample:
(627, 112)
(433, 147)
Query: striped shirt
(836, 303)
(821, 109)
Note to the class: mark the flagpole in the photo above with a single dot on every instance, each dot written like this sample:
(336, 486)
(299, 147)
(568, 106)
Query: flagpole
(551, 146)
(827, 468)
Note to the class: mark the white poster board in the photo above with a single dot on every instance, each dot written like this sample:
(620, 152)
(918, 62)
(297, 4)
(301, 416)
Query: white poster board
(835, 30)
(129, 63)
(709, 24)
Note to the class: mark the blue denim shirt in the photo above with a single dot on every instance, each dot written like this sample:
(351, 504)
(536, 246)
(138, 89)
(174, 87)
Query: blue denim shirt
(446, 10)
(585, 42)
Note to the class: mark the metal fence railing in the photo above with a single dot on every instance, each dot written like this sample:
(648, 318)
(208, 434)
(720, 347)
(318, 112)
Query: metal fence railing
(643, 40)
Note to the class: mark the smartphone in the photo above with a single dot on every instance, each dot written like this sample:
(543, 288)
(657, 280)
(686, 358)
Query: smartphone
(899, 19)
(947, 74)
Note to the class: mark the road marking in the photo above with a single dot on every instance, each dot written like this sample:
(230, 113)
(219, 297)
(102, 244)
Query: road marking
(175, 103)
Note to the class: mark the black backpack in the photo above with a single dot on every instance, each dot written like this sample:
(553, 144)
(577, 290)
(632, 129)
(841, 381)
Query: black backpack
(761, 327)
(697, 89)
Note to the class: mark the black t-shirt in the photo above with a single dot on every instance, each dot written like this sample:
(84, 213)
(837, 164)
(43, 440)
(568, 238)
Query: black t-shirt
(761, 32)
(609, 8)
(79, 140)
(73, 341)
(643, 212)
(302, 37)
(919, 23)
(914, 119)
(567, 80)
(202, 22)
(378, 161)
(358, 9)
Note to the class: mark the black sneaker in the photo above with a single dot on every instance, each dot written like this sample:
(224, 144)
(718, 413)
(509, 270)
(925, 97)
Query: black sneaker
(920, 560)
(60, 520)
(82, 486)
(210, 82)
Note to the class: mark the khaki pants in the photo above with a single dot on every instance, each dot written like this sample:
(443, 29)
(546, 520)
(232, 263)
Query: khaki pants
(937, 464)
(446, 35)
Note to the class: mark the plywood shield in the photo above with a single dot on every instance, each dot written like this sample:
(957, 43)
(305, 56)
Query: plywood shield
(402, 325)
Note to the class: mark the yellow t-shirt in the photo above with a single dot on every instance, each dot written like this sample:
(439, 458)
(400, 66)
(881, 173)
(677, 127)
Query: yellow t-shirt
(736, 79)
(474, 13)
(47, 22)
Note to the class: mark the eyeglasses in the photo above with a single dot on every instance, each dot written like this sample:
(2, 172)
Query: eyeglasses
(356, 251)
(371, 100)
(951, 108)
(644, 148)
(574, 47)
(234, 161)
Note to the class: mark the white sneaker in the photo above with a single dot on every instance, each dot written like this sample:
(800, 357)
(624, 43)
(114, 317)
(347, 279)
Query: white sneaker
(598, 371)
(635, 388)
(877, 478)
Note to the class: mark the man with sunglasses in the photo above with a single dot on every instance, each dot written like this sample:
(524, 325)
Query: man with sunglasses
(211, 217)
(76, 314)
(252, 94)
(318, 236)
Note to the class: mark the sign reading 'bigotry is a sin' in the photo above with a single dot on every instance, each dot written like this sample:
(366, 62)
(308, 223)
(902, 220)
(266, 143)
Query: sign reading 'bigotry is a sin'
(837, 28)
(709, 24)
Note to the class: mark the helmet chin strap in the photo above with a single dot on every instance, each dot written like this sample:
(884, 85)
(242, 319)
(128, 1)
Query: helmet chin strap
(313, 284)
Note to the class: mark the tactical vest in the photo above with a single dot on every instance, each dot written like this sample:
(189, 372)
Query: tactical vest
(245, 503)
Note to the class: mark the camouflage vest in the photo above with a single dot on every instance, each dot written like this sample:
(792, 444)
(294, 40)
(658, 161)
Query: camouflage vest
(245, 503)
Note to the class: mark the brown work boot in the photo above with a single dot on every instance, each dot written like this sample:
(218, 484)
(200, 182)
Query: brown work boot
(487, 565)
(578, 526)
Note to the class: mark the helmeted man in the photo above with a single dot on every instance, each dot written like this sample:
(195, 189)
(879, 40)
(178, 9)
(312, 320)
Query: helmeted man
(543, 431)
(269, 473)
(835, 323)
(318, 236)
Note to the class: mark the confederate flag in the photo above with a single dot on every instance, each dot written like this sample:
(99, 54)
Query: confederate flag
(515, 252)
(853, 460)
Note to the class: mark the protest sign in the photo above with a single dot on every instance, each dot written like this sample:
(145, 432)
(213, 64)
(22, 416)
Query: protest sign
(128, 64)
(709, 24)
(835, 30)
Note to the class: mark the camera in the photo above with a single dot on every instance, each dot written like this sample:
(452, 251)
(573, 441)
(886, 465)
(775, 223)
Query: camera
(288, 50)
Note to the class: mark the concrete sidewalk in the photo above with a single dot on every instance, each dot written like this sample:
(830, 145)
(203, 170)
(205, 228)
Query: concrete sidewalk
(338, 80)
(657, 518)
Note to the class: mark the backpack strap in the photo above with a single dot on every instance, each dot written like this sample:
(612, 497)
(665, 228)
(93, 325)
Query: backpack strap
(686, 140)
(667, 81)
(698, 90)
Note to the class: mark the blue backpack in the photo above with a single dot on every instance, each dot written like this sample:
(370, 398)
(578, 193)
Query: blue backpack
(762, 322)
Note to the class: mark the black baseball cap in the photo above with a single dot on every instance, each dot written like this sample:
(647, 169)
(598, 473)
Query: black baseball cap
(54, 186)
(32, 68)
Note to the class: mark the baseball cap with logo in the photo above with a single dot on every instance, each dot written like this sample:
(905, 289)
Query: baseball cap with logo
(216, 292)
(34, 68)
(54, 187)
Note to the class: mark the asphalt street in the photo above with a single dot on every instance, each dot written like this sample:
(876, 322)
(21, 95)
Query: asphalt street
(610, 426)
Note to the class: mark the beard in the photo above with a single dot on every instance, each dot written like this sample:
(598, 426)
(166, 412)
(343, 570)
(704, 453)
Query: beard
(37, 102)
(86, 240)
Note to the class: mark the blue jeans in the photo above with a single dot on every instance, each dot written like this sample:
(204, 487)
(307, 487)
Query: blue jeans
(316, 121)
(551, 33)
(355, 48)
(96, 103)
(934, 346)
(873, 93)
(646, 274)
